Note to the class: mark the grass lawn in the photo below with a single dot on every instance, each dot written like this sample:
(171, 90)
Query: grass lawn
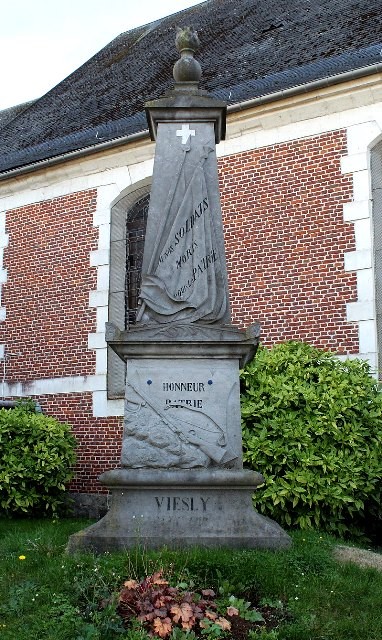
(46, 594)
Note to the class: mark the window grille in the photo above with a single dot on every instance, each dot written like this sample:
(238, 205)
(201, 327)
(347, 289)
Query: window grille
(135, 238)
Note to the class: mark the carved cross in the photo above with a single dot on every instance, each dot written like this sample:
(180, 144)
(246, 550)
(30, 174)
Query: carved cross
(185, 132)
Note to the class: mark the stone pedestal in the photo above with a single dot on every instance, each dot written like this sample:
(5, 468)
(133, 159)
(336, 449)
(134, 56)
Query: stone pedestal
(155, 508)
(182, 400)
(182, 409)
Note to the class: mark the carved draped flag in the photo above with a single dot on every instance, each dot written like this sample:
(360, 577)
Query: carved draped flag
(184, 279)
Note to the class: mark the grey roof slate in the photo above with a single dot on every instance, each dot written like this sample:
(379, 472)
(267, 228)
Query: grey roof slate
(6, 115)
(249, 48)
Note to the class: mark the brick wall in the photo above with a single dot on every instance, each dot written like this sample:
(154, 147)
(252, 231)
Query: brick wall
(47, 290)
(99, 439)
(285, 241)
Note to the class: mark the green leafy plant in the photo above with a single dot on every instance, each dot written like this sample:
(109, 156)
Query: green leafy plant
(312, 425)
(37, 454)
(176, 613)
(180, 634)
(214, 628)
(240, 607)
(160, 607)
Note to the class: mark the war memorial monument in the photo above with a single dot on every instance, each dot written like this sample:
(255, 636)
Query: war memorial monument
(181, 480)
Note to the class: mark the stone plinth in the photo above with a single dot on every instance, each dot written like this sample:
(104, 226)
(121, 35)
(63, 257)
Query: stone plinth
(181, 481)
(180, 508)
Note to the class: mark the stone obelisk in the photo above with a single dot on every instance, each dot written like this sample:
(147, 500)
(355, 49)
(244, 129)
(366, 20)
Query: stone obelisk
(181, 480)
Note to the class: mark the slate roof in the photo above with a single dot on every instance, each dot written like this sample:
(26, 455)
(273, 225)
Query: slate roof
(249, 48)
(6, 115)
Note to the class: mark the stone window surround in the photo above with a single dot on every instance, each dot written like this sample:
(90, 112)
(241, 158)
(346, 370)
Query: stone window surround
(376, 183)
(362, 140)
(119, 212)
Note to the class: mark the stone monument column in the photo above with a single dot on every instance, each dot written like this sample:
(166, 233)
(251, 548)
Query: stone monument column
(181, 481)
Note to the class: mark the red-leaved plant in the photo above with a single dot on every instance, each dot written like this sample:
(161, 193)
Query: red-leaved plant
(160, 607)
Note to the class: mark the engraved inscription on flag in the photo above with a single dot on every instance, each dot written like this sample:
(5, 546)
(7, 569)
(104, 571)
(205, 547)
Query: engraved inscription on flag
(185, 275)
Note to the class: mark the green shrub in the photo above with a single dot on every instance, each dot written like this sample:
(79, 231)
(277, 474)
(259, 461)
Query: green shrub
(312, 425)
(37, 452)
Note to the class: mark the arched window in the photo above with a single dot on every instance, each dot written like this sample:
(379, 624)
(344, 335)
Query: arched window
(127, 235)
